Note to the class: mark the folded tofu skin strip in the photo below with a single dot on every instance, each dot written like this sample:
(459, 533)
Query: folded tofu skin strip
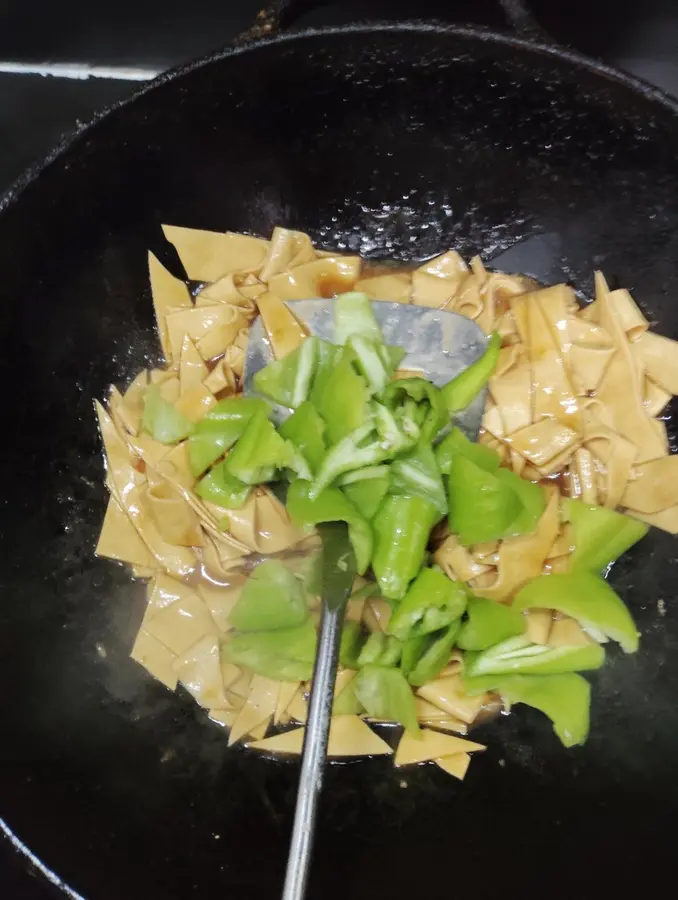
(481, 564)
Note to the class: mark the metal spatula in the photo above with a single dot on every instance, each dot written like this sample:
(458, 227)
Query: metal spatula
(439, 345)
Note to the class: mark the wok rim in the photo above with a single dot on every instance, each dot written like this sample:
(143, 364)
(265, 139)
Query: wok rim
(573, 57)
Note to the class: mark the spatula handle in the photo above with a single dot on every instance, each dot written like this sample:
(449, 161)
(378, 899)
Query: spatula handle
(314, 753)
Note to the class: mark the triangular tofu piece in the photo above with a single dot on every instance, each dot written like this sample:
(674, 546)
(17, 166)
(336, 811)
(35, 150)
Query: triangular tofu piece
(448, 695)
(259, 707)
(192, 369)
(207, 255)
(155, 658)
(349, 736)
(431, 745)
(120, 540)
(456, 765)
(287, 691)
(168, 294)
(283, 330)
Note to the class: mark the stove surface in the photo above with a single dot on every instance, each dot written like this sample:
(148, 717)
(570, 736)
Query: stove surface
(133, 39)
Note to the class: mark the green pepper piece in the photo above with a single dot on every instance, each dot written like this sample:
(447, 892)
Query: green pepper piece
(222, 488)
(413, 648)
(457, 444)
(220, 428)
(305, 430)
(288, 380)
(261, 451)
(401, 526)
(518, 655)
(431, 592)
(308, 568)
(600, 535)
(488, 623)
(350, 644)
(369, 473)
(385, 694)
(358, 450)
(481, 506)
(392, 356)
(366, 496)
(430, 407)
(458, 393)
(532, 497)
(285, 655)
(346, 703)
(565, 699)
(353, 316)
(435, 656)
(162, 420)
(343, 403)
(372, 364)
(380, 649)
(272, 598)
(395, 434)
(331, 505)
(417, 473)
(586, 597)
(327, 356)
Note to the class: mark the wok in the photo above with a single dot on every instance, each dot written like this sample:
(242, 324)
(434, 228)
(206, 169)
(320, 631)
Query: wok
(396, 141)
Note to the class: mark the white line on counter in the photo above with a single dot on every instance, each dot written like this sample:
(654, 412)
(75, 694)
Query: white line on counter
(78, 71)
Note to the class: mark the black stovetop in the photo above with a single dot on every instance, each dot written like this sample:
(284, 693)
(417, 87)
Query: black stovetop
(134, 38)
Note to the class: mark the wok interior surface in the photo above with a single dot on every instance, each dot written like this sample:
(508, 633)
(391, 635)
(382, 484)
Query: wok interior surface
(395, 143)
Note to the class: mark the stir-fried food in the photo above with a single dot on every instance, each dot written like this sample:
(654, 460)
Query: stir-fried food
(481, 564)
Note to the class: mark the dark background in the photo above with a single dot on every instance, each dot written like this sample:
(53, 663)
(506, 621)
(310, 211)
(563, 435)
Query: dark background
(35, 111)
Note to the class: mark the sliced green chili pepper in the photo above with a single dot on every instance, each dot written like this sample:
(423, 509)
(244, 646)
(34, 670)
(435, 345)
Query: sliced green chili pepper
(353, 316)
(417, 472)
(162, 420)
(222, 488)
(481, 506)
(458, 393)
(396, 435)
(402, 526)
(366, 496)
(565, 699)
(586, 597)
(435, 656)
(331, 505)
(600, 535)
(350, 644)
(288, 380)
(385, 694)
(356, 451)
(305, 429)
(220, 429)
(457, 444)
(380, 649)
(343, 403)
(346, 703)
(284, 655)
(372, 364)
(326, 359)
(261, 451)
(488, 623)
(413, 648)
(433, 601)
(272, 598)
(427, 407)
(392, 356)
(518, 655)
(532, 497)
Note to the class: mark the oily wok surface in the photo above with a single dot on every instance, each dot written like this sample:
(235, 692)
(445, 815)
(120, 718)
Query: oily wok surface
(395, 143)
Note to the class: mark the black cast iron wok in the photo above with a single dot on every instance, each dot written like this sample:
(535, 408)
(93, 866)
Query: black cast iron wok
(393, 141)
